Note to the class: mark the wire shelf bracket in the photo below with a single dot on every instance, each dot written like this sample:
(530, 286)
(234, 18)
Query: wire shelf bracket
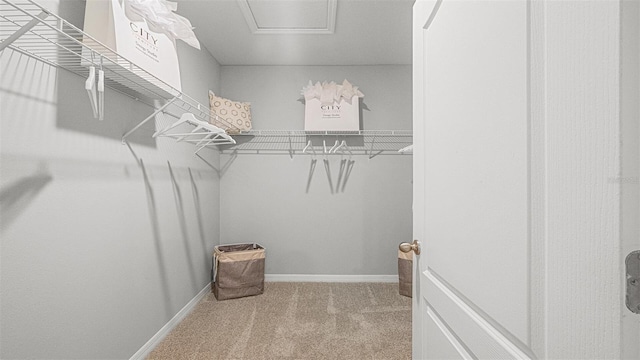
(159, 110)
(23, 30)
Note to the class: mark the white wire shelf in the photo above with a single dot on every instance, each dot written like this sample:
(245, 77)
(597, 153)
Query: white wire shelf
(32, 30)
(55, 41)
(320, 143)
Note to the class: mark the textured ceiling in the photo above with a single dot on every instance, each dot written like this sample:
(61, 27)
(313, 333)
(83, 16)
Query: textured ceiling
(367, 32)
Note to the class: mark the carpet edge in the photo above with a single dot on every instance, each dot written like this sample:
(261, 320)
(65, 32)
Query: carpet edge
(330, 278)
(146, 349)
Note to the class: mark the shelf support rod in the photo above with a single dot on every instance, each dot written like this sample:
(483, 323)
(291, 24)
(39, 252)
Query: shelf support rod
(148, 118)
(376, 154)
(290, 148)
(373, 141)
(43, 15)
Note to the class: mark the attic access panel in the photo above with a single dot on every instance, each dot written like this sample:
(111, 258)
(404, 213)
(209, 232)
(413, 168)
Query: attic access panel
(289, 17)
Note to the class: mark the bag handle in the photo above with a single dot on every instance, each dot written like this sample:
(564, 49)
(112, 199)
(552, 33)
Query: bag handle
(214, 269)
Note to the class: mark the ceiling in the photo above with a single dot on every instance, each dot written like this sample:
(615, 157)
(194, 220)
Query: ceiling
(303, 32)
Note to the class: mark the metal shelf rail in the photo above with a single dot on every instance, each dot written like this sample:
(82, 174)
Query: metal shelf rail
(32, 30)
(320, 143)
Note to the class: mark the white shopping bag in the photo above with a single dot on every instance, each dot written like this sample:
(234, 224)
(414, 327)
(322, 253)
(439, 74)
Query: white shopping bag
(107, 22)
(336, 116)
(331, 107)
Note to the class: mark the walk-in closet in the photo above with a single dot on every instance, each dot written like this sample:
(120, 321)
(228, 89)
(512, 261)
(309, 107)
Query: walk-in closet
(319, 179)
(115, 189)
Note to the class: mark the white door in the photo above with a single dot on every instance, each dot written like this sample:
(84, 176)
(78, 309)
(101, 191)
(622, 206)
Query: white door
(522, 205)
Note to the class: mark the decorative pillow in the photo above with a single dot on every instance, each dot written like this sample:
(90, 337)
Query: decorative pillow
(231, 116)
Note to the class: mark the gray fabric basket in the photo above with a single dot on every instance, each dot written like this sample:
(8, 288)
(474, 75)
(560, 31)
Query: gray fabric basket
(237, 271)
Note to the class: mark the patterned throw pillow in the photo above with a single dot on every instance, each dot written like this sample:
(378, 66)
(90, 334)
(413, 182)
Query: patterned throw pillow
(232, 116)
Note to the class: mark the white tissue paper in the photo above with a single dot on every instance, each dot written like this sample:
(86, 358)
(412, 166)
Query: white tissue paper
(161, 19)
(332, 107)
(142, 32)
(331, 92)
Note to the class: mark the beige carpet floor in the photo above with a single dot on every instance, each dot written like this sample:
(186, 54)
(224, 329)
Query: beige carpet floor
(297, 321)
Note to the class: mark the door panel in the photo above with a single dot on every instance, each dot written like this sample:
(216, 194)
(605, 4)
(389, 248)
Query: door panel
(448, 346)
(476, 86)
(517, 135)
(482, 338)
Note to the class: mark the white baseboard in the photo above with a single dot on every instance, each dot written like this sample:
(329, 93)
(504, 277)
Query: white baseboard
(330, 278)
(166, 329)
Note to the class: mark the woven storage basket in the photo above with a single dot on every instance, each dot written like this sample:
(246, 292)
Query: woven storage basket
(237, 271)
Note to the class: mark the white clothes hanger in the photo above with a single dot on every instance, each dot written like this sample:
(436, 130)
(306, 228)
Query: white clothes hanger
(343, 144)
(100, 94)
(349, 150)
(90, 86)
(208, 133)
(218, 139)
(186, 117)
(334, 147)
(212, 133)
(309, 145)
(406, 149)
(199, 126)
(306, 147)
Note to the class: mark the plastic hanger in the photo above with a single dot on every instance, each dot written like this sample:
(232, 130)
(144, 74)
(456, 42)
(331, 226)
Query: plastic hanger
(313, 149)
(342, 144)
(211, 133)
(199, 126)
(217, 139)
(406, 149)
(100, 95)
(186, 117)
(306, 147)
(333, 149)
(90, 86)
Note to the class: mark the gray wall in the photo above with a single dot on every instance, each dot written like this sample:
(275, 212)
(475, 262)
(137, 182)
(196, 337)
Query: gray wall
(97, 252)
(264, 198)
